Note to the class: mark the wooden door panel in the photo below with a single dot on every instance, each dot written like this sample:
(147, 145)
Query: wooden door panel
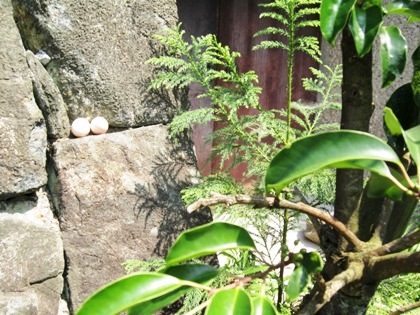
(235, 22)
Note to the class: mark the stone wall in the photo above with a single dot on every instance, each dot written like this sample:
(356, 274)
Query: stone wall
(72, 210)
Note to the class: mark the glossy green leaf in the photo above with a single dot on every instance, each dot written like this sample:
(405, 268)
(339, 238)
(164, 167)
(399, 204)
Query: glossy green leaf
(262, 306)
(369, 3)
(409, 8)
(338, 149)
(402, 103)
(415, 83)
(392, 122)
(364, 26)
(229, 302)
(411, 136)
(379, 186)
(312, 262)
(334, 15)
(199, 273)
(209, 239)
(412, 139)
(407, 112)
(393, 53)
(127, 292)
(412, 19)
(191, 272)
(297, 283)
(375, 166)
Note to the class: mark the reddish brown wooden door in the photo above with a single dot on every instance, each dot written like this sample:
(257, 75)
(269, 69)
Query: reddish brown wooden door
(235, 22)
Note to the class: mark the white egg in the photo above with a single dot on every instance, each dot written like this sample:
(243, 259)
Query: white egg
(80, 127)
(99, 125)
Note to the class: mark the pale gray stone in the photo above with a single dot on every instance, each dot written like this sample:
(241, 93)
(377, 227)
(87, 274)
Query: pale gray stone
(32, 259)
(120, 200)
(18, 303)
(98, 53)
(23, 140)
(30, 253)
(49, 99)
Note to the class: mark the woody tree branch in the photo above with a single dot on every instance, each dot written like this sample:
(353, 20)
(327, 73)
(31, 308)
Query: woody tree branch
(385, 267)
(327, 290)
(272, 202)
(398, 245)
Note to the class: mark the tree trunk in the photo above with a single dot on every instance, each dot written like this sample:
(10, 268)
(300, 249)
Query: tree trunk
(356, 113)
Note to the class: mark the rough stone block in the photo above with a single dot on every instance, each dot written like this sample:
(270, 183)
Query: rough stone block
(119, 199)
(32, 259)
(49, 99)
(23, 140)
(98, 51)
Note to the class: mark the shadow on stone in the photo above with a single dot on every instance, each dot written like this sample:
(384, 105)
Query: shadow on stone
(169, 180)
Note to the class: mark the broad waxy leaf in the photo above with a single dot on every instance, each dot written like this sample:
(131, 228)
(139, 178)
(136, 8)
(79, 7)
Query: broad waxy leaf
(312, 262)
(199, 273)
(379, 186)
(392, 122)
(334, 149)
(415, 83)
(297, 283)
(393, 53)
(369, 3)
(127, 292)
(229, 302)
(411, 136)
(403, 105)
(334, 15)
(406, 7)
(375, 166)
(208, 239)
(412, 139)
(364, 26)
(262, 306)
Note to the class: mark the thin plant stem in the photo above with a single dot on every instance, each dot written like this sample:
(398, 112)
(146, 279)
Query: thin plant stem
(283, 257)
(290, 61)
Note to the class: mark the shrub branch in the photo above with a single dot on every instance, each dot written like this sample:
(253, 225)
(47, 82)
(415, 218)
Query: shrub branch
(272, 202)
(353, 273)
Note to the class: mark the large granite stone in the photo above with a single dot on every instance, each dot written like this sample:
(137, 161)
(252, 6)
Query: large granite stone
(119, 199)
(49, 99)
(32, 259)
(23, 138)
(98, 50)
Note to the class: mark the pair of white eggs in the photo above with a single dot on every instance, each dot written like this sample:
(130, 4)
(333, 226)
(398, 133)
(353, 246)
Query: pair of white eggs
(81, 127)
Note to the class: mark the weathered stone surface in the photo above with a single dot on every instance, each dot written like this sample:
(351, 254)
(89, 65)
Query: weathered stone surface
(120, 200)
(23, 138)
(32, 259)
(34, 300)
(49, 99)
(22, 303)
(98, 50)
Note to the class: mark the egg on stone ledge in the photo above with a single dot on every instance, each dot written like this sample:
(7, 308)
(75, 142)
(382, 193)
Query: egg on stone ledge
(80, 127)
(99, 125)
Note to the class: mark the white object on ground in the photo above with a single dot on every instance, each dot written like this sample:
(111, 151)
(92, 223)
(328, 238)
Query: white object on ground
(80, 127)
(99, 125)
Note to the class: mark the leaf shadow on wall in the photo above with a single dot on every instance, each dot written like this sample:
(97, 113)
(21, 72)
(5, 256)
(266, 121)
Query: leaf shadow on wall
(171, 174)
(159, 105)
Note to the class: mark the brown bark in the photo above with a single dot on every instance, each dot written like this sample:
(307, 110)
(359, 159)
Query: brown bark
(385, 267)
(356, 112)
(349, 206)
(325, 292)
